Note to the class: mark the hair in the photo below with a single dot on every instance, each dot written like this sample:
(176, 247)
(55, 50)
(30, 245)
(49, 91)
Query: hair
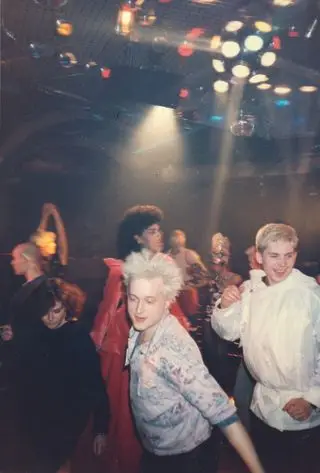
(135, 221)
(273, 232)
(30, 252)
(70, 295)
(177, 233)
(45, 241)
(140, 265)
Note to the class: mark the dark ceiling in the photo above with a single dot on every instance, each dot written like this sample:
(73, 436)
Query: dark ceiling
(38, 94)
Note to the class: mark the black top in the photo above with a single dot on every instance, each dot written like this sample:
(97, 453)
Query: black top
(62, 383)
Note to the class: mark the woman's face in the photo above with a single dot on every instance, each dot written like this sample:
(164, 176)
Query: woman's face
(56, 316)
(151, 238)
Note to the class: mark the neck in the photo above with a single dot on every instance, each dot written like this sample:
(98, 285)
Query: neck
(32, 274)
(176, 250)
(147, 335)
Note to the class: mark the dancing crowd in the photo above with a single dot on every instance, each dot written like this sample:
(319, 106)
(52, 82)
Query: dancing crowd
(146, 388)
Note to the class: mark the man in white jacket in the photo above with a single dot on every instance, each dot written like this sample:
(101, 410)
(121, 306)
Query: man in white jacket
(276, 314)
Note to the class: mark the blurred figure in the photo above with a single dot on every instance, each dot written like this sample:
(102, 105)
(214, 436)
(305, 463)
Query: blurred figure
(193, 270)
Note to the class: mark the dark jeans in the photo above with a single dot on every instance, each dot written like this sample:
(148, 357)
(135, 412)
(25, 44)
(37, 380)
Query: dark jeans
(243, 392)
(287, 451)
(202, 459)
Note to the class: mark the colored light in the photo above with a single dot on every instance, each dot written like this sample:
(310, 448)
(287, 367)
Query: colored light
(216, 118)
(282, 103)
(308, 88)
(276, 43)
(282, 90)
(105, 72)
(241, 71)
(215, 42)
(221, 86)
(253, 43)
(264, 86)
(233, 26)
(185, 49)
(218, 65)
(268, 59)
(263, 26)
(184, 93)
(230, 49)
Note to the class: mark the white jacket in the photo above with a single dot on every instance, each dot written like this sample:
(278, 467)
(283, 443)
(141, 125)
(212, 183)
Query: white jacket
(279, 329)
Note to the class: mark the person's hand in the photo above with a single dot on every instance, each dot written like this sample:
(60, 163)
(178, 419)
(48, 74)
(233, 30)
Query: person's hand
(230, 295)
(99, 444)
(6, 333)
(298, 409)
(48, 209)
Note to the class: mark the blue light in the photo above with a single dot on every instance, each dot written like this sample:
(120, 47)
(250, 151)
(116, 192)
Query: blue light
(216, 118)
(282, 103)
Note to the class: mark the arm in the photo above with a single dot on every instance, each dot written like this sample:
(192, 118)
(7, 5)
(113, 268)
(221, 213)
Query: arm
(187, 374)
(196, 269)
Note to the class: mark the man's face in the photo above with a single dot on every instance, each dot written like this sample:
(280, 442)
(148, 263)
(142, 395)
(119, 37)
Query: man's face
(56, 317)
(18, 262)
(146, 304)
(277, 260)
(178, 240)
(151, 238)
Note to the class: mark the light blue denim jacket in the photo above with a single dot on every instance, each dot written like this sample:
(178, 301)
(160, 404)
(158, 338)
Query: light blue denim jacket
(174, 399)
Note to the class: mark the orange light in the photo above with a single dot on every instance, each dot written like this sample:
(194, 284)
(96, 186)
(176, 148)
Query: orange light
(195, 33)
(184, 93)
(125, 20)
(185, 49)
(105, 72)
(276, 43)
(64, 28)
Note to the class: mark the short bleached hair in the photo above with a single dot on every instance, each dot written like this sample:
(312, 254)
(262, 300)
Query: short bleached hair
(273, 232)
(143, 265)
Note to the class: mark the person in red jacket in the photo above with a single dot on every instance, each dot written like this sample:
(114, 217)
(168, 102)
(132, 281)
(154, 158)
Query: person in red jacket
(140, 228)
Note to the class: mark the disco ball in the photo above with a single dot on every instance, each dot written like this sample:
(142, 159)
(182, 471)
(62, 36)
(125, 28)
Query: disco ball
(244, 126)
(244, 49)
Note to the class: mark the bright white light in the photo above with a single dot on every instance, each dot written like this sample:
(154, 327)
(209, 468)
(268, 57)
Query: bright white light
(263, 26)
(221, 86)
(253, 43)
(268, 59)
(283, 3)
(218, 65)
(282, 90)
(264, 86)
(230, 49)
(257, 78)
(241, 71)
(233, 26)
(308, 88)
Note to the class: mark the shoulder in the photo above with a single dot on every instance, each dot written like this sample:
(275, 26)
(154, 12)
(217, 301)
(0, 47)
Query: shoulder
(176, 341)
(192, 256)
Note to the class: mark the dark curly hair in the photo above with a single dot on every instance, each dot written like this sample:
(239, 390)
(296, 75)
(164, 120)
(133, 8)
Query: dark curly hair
(71, 296)
(135, 221)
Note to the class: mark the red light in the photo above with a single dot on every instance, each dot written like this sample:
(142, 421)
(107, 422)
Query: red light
(293, 33)
(195, 33)
(276, 42)
(185, 49)
(184, 93)
(105, 73)
(164, 1)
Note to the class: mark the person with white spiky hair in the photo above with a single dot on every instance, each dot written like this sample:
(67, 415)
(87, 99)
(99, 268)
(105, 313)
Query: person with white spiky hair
(174, 399)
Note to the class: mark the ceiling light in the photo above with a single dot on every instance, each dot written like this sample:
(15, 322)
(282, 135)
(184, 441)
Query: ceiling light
(241, 71)
(257, 78)
(283, 3)
(263, 26)
(268, 59)
(230, 49)
(282, 90)
(264, 86)
(253, 43)
(308, 88)
(233, 26)
(221, 86)
(218, 65)
(215, 42)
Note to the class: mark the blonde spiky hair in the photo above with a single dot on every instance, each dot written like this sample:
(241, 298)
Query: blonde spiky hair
(146, 266)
